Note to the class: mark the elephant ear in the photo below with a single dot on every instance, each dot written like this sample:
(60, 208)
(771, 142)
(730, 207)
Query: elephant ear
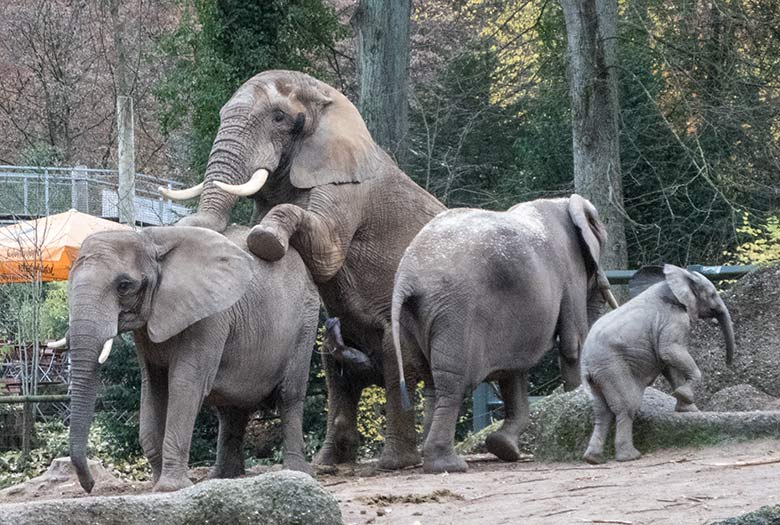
(338, 149)
(591, 230)
(200, 274)
(682, 284)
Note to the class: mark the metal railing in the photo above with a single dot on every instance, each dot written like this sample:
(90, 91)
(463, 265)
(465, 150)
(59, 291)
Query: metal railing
(37, 191)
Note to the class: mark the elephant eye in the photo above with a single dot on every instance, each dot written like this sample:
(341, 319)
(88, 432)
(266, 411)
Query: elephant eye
(279, 116)
(124, 285)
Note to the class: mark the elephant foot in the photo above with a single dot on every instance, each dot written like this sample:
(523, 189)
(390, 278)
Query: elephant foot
(593, 457)
(449, 463)
(684, 394)
(171, 484)
(297, 464)
(396, 460)
(685, 407)
(266, 243)
(502, 446)
(627, 454)
(224, 472)
(332, 455)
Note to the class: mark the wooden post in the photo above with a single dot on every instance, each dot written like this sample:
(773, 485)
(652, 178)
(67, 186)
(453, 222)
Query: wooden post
(126, 157)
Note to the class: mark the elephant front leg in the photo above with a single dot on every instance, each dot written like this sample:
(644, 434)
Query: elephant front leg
(322, 247)
(186, 390)
(292, 427)
(230, 443)
(514, 392)
(154, 400)
(681, 372)
(685, 396)
(341, 438)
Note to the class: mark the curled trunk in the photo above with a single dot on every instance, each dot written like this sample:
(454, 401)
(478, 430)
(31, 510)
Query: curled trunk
(727, 328)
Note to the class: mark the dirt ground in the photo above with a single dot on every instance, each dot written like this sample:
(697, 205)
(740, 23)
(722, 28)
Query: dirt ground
(683, 486)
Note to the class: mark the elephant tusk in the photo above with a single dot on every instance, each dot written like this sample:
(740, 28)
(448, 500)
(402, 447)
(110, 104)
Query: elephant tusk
(106, 350)
(181, 195)
(610, 298)
(248, 188)
(56, 345)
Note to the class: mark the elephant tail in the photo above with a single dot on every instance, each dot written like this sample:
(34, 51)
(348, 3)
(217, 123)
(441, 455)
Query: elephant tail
(401, 293)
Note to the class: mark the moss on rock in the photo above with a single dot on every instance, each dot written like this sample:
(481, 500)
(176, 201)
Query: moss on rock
(561, 425)
(763, 516)
(285, 497)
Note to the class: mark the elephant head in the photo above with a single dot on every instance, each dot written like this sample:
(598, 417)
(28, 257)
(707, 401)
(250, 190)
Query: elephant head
(701, 300)
(160, 279)
(286, 131)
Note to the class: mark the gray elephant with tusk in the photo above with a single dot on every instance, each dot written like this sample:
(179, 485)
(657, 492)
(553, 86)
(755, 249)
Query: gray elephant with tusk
(630, 347)
(320, 184)
(211, 324)
(483, 295)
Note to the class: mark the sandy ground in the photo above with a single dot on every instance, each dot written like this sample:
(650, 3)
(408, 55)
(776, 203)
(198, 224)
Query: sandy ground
(682, 486)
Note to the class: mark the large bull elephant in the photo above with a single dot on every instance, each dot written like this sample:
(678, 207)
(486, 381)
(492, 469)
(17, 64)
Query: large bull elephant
(211, 324)
(320, 183)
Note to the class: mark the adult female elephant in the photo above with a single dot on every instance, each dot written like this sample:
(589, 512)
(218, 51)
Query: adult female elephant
(483, 295)
(212, 324)
(301, 150)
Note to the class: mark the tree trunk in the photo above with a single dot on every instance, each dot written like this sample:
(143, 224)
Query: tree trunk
(591, 41)
(383, 65)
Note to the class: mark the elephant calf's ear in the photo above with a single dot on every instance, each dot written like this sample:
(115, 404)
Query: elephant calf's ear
(201, 273)
(681, 283)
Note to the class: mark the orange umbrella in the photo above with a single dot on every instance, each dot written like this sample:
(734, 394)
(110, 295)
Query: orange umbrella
(46, 247)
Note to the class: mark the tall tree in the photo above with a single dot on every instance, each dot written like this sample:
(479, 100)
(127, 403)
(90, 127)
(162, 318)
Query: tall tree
(591, 29)
(383, 66)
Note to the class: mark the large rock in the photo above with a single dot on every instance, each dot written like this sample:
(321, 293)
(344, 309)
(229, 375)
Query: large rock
(741, 398)
(754, 303)
(763, 516)
(561, 425)
(284, 497)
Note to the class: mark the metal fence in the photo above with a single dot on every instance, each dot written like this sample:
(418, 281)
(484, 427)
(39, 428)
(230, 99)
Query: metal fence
(33, 191)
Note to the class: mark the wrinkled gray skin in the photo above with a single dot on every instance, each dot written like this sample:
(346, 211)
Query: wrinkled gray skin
(337, 198)
(482, 295)
(630, 347)
(211, 324)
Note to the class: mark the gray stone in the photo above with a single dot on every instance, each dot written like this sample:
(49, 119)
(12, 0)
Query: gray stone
(284, 497)
(769, 515)
(561, 425)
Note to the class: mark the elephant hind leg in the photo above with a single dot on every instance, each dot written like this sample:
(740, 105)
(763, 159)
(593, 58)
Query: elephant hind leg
(514, 392)
(342, 438)
(624, 398)
(230, 443)
(603, 420)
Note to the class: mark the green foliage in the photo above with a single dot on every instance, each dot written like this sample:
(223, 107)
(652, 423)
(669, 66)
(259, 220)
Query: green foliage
(219, 45)
(763, 242)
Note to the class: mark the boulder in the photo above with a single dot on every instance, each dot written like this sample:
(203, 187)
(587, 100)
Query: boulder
(754, 303)
(284, 497)
(769, 515)
(60, 480)
(741, 398)
(561, 425)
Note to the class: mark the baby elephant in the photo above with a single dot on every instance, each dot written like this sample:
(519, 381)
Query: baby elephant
(628, 348)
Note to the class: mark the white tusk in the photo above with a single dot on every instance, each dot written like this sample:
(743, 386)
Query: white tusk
(106, 350)
(181, 195)
(56, 345)
(610, 298)
(248, 188)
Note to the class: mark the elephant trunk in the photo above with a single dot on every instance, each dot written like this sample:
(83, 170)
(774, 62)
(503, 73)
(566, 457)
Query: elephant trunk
(87, 335)
(227, 164)
(727, 328)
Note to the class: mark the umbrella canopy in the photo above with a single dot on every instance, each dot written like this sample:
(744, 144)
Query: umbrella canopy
(45, 248)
